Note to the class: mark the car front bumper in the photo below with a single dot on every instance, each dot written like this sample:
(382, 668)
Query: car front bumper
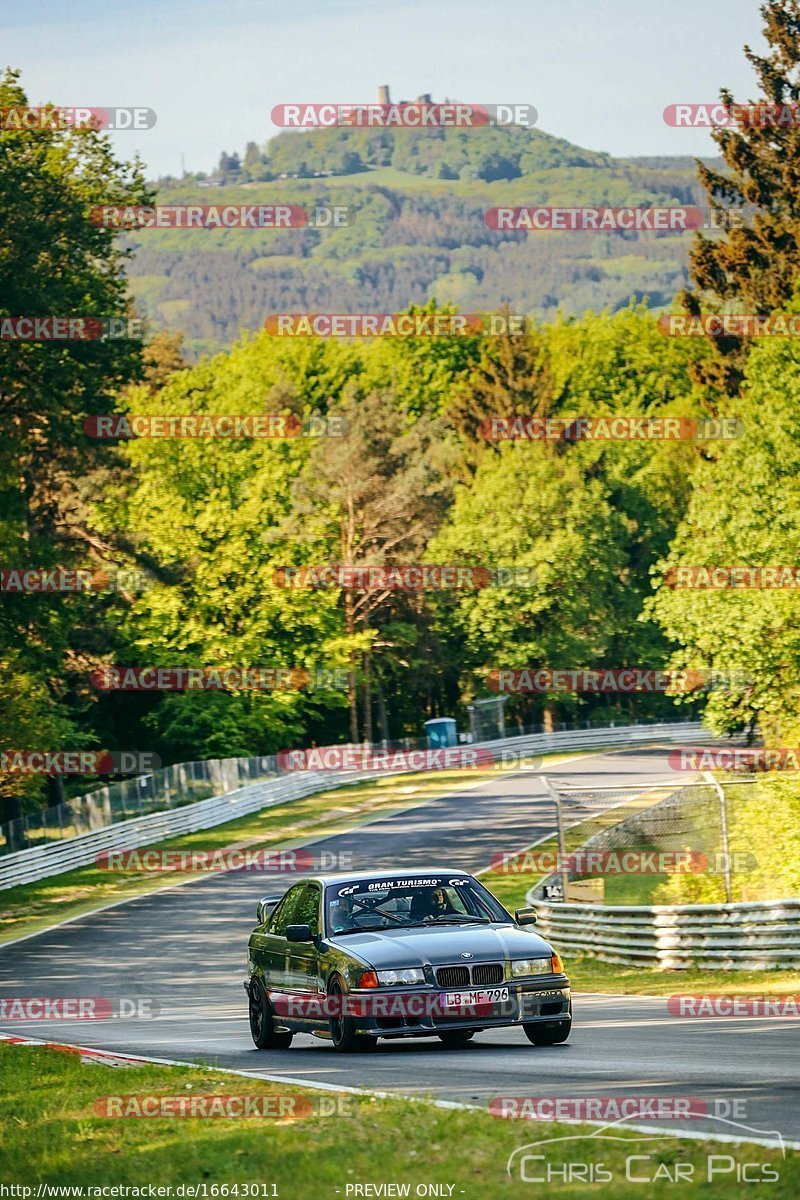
(422, 1012)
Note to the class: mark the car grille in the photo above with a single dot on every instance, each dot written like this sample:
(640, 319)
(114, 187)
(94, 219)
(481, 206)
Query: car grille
(488, 973)
(452, 976)
(482, 974)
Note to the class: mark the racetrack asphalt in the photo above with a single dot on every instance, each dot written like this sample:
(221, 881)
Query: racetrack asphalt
(185, 950)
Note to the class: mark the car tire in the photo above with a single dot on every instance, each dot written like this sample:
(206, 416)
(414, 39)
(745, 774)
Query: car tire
(344, 1037)
(549, 1033)
(456, 1037)
(262, 1029)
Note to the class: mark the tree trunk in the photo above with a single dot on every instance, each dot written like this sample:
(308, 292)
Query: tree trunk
(382, 721)
(352, 698)
(367, 699)
(352, 691)
(55, 790)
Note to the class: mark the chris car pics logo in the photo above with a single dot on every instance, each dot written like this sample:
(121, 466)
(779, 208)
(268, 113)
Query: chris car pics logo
(594, 1158)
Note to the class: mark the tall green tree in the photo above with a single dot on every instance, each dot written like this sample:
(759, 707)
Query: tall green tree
(743, 512)
(373, 498)
(54, 262)
(754, 265)
(538, 514)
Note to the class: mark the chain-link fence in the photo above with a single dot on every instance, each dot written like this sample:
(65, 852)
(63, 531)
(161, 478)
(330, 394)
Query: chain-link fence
(169, 787)
(694, 844)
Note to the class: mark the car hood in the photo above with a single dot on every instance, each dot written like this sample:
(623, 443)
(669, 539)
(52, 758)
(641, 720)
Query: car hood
(440, 946)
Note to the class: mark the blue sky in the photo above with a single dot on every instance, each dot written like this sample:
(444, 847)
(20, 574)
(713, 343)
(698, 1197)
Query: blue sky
(600, 72)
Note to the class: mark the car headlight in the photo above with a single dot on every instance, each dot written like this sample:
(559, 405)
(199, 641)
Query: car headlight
(409, 975)
(530, 966)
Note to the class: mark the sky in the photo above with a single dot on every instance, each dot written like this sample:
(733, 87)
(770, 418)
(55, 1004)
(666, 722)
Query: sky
(599, 72)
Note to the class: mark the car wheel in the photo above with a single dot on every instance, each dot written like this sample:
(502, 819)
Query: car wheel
(343, 1029)
(456, 1037)
(262, 1029)
(548, 1033)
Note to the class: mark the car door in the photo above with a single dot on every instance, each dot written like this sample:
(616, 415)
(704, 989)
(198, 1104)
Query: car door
(302, 963)
(273, 945)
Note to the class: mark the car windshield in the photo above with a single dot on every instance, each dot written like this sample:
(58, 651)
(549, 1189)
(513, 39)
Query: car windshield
(404, 901)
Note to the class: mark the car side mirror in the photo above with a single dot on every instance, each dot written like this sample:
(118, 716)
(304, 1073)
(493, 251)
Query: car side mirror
(299, 933)
(265, 906)
(526, 916)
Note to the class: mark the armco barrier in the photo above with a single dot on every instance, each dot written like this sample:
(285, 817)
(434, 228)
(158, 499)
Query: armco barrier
(54, 858)
(757, 935)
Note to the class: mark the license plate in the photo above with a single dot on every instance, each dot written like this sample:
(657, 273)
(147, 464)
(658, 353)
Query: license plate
(468, 999)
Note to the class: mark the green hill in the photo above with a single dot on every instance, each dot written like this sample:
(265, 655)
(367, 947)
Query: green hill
(417, 201)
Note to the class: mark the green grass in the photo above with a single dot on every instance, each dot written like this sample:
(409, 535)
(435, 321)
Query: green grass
(35, 906)
(52, 1134)
(587, 974)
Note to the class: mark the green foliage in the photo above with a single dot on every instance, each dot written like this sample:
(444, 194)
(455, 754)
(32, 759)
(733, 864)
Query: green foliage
(527, 509)
(416, 232)
(487, 153)
(753, 267)
(54, 262)
(763, 835)
(743, 511)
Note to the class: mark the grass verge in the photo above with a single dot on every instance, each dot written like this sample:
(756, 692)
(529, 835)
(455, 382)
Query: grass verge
(54, 1135)
(588, 974)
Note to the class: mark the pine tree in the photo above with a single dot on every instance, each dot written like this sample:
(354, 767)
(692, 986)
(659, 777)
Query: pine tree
(755, 264)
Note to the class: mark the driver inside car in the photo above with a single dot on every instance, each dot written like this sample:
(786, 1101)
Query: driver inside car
(340, 914)
(431, 903)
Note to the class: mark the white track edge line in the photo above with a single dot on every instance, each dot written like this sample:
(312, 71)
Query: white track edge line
(314, 1085)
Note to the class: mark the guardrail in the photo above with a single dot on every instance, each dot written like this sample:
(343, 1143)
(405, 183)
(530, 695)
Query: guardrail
(55, 858)
(753, 935)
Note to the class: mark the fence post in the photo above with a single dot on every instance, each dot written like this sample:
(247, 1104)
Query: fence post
(723, 816)
(562, 853)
